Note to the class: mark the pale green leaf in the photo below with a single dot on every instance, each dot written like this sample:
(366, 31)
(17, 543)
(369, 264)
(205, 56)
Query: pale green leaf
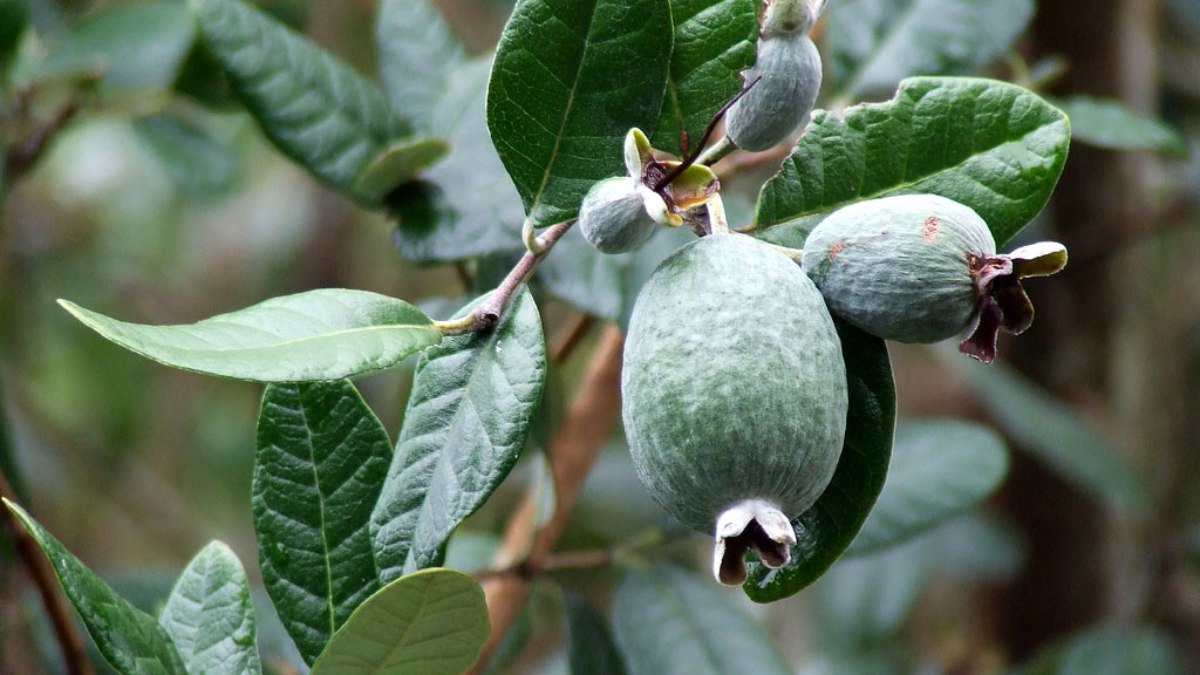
(431, 622)
(473, 399)
(464, 206)
(569, 80)
(318, 335)
(397, 164)
(938, 470)
(1107, 123)
(130, 640)
(210, 617)
(866, 600)
(314, 108)
(135, 47)
(714, 43)
(195, 162)
(667, 621)
(322, 457)
(874, 44)
(418, 57)
(1110, 649)
(993, 146)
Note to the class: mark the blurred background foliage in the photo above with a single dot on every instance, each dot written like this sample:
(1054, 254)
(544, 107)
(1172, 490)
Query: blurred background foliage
(160, 200)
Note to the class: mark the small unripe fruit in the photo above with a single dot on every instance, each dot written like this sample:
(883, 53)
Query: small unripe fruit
(900, 267)
(614, 216)
(734, 395)
(788, 74)
(923, 268)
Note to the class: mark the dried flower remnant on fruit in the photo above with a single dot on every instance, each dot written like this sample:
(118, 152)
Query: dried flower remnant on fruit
(1002, 303)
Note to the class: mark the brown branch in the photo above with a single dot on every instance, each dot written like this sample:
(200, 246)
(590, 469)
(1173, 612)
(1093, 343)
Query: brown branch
(23, 154)
(487, 314)
(571, 453)
(61, 617)
(572, 337)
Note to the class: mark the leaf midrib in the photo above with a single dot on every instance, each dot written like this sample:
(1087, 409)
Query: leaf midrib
(311, 446)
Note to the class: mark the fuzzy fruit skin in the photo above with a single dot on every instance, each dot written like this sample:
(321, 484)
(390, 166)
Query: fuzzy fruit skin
(898, 267)
(733, 385)
(613, 216)
(790, 68)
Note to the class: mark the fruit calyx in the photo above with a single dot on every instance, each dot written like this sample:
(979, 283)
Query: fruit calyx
(750, 525)
(1002, 302)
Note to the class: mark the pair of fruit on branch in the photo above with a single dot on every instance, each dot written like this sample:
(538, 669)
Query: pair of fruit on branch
(734, 384)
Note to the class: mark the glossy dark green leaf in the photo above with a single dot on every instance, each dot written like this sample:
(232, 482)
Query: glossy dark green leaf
(431, 622)
(1056, 434)
(569, 80)
(939, 469)
(873, 44)
(130, 640)
(1110, 650)
(195, 162)
(825, 531)
(714, 42)
(318, 335)
(136, 46)
(993, 146)
(464, 206)
(314, 108)
(1107, 123)
(668, 621)
(469, 413)
(590, 646)
(209, 615)
(418, 56)
(322, 457)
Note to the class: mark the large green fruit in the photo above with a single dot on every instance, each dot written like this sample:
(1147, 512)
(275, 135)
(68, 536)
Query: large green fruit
(903, 268)
(734, 395)
(788, 73)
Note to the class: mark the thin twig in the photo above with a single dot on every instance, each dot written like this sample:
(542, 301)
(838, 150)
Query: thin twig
(488, 313)
(23, 154)
(571, 453)
(565, 346)
(696, 155)
(61, 617)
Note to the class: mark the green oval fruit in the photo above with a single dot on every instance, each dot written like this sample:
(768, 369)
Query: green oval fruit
(903, 268)
(613, 215)
(790, 71)
(734, 395)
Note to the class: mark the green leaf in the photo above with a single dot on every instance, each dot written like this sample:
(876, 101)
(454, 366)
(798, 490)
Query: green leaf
(569, 80)
(130, 640)
(397, 164)
(668, 621)
(14, 17)
(602, 284)
(1111, 649)
(322, 457)
(825, 531)
(993, 146)
(465, 206)
(135, 47)
(1053, 432)
(317, 335)
(979, 546)
(865, 600)
(314, 108)
(418, 56)
(590, 647)
(469, 413)
(1109, 124)
(209, 615)
(877, 43)
(938, 470)
(431, 622)
(714, 42)
(195, 162)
